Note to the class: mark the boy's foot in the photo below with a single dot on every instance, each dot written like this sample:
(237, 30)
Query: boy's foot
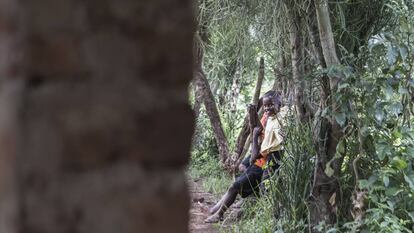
(215, 208)
(239, 204)
(214, 219)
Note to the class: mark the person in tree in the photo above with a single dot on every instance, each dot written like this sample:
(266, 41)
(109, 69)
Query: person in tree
(266, 146)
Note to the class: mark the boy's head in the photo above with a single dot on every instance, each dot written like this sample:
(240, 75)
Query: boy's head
(271, 102)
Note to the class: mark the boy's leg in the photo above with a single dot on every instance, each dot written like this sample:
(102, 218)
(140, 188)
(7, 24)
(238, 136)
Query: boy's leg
(225, 203)
(243, 183)
(237, 185)
(214, 209)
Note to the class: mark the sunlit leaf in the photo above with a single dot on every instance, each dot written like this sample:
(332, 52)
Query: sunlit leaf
(386, 181)
(340, 148)
(392, 54)
(396, 108)
(389, 92)
(379, 116)
(399, 163)
(328, 170)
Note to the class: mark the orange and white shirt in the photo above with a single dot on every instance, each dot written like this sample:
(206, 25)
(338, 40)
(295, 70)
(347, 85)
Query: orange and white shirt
(272, 140)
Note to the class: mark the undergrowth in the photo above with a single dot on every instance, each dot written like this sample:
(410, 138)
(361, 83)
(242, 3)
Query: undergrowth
(207, 168)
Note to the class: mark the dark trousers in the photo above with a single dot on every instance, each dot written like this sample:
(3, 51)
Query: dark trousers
(249, 182)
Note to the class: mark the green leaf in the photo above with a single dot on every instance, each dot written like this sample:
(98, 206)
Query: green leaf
(379, 116)
(396, 108)
(363, 184)
(342, 86)
(411, 214)
(389, 92)
(328, 170)
(340, 148)
(340, 118)
(410, 152)
(391, 205)
(364, 131)
(403, 52)
(410, 181)
(396, 134)
(402, 90)
(392, 191)
(386, 181)
(382, 151)
(411, 82)
(399, 163)
(392, 55)
(404, 25)
(372, 179)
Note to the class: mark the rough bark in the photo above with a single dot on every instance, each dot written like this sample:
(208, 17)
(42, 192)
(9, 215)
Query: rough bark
(313, 32)
(325, 191)
(210, 103)
(98, 98)
(326, 37)
(244, 138)
(297, 65)
(297, 60)
(280, 83)
(197, 82)
(198, 98)
(259, 82)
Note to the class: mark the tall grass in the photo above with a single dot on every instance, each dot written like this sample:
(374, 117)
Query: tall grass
(206, 166)
(282, 207)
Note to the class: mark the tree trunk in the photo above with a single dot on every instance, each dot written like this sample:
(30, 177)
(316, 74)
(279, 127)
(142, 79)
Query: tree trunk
(325, 191)
(297, 66)
(259, 82)
(313, 32)
(97, 128)
(297, 59)
(197, 82)
(210, 103)
(243, 140)
(281, 82)
(198, 98)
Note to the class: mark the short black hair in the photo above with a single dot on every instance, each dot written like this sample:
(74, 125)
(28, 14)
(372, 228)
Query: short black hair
(270, 94)
(275, 96)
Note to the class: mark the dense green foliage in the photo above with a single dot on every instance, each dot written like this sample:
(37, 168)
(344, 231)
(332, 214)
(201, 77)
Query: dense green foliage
(376, 98)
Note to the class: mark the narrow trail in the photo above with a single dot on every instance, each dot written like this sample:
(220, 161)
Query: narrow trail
(200, 201)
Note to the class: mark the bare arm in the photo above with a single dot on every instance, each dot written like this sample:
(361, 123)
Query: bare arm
(253, 117)
(255, 144)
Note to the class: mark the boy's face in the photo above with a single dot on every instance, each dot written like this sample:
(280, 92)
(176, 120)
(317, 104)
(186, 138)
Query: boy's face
(270, 106)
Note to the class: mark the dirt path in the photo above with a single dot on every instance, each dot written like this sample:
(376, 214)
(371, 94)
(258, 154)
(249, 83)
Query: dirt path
(200, 201)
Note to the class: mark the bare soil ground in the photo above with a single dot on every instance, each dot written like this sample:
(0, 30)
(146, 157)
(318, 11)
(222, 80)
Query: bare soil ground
(200, 203)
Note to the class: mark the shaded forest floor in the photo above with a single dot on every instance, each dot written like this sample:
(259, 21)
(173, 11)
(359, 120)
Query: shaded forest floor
(200, 202)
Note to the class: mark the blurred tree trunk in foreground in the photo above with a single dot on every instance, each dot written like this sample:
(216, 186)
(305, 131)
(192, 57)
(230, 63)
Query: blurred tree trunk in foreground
(95, 128)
